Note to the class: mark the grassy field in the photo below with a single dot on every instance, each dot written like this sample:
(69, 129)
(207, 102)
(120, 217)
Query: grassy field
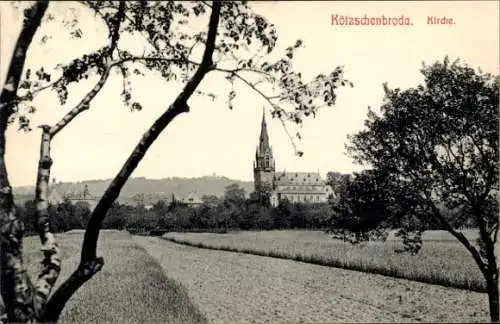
(131, 288)
(441, 261)
(244, 288)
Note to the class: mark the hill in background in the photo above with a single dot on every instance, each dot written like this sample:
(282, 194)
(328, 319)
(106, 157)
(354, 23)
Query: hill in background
(152, 190)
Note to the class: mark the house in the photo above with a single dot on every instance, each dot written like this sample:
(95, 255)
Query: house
(55, 197)
(191, 200)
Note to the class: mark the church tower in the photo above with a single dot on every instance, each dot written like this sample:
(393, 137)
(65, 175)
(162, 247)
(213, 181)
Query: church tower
(263, 168)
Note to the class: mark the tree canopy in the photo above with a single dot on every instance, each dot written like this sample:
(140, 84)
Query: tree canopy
(438, 145)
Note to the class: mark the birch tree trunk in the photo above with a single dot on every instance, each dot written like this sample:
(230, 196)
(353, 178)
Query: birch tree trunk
(16, 287)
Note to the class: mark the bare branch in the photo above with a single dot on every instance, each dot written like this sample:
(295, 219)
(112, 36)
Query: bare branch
(32, 93)
(206, 4)
(126, 17)
(115, 33)
(269, 100)
(190, 51)
(234, 71)
(459, 236)
(290, 137)
(153, 59)
(82, 105)
(266, 97)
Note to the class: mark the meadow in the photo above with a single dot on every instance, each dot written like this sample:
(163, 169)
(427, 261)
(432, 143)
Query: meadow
(130, 288)
(441, 261)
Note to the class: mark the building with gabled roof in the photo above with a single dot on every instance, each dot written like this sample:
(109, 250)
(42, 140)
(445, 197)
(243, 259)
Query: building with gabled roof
(296, 187)
(55, 197)
(191, 200)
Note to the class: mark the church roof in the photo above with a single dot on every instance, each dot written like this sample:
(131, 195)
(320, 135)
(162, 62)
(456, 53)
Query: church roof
(70, 193)
(298, 178)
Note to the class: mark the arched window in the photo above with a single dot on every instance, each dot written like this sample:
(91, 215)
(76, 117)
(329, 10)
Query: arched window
(266, 162)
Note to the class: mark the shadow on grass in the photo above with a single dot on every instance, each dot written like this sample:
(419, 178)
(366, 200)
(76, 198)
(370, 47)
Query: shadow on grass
(131, 288)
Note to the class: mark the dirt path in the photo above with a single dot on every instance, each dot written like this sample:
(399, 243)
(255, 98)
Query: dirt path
(239, 288)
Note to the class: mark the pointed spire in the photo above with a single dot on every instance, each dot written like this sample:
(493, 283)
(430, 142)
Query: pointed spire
(264, 137)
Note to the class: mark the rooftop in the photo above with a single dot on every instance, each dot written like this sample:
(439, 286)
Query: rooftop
(298, 178)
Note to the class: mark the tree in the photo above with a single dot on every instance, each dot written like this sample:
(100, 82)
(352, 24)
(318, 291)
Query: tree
(234, 194)
(82, 214)
(232, 28)
(264, 191)
(210, 200)
(282, 215)
(439, 142)
(116, 217)
(138, 219)
(318, 216)
(26, 215)
(17, 290)
(160, 208)
(257, 216)
(362, 206)
(233, 207)
(336, 180)
(208, 211)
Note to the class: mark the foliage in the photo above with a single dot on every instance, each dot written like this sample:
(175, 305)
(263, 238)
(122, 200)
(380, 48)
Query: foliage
(65, 216)
(214, 214)
(337, 180)
(441, 137)
(234, 194)
(362, 205)
(438, 144)
(242, 54)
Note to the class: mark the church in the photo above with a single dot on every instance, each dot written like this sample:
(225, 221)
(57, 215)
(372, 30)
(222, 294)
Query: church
(296, 187)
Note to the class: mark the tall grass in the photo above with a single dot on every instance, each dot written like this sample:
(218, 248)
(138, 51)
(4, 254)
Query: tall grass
(441, 261)
(131, 288)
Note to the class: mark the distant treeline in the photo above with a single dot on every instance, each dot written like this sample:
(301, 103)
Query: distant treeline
(348, 211)
(163, 217)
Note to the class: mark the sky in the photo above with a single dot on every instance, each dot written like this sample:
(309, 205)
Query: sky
(211, 139)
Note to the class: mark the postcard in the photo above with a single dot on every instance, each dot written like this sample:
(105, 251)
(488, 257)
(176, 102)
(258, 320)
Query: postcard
(249, 161)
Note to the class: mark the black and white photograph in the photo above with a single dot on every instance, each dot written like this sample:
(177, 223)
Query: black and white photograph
(249, 161)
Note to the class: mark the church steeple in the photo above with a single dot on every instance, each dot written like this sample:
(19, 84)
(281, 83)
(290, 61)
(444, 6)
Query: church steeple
(263, 168)
(264, 154)
(264, 138)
